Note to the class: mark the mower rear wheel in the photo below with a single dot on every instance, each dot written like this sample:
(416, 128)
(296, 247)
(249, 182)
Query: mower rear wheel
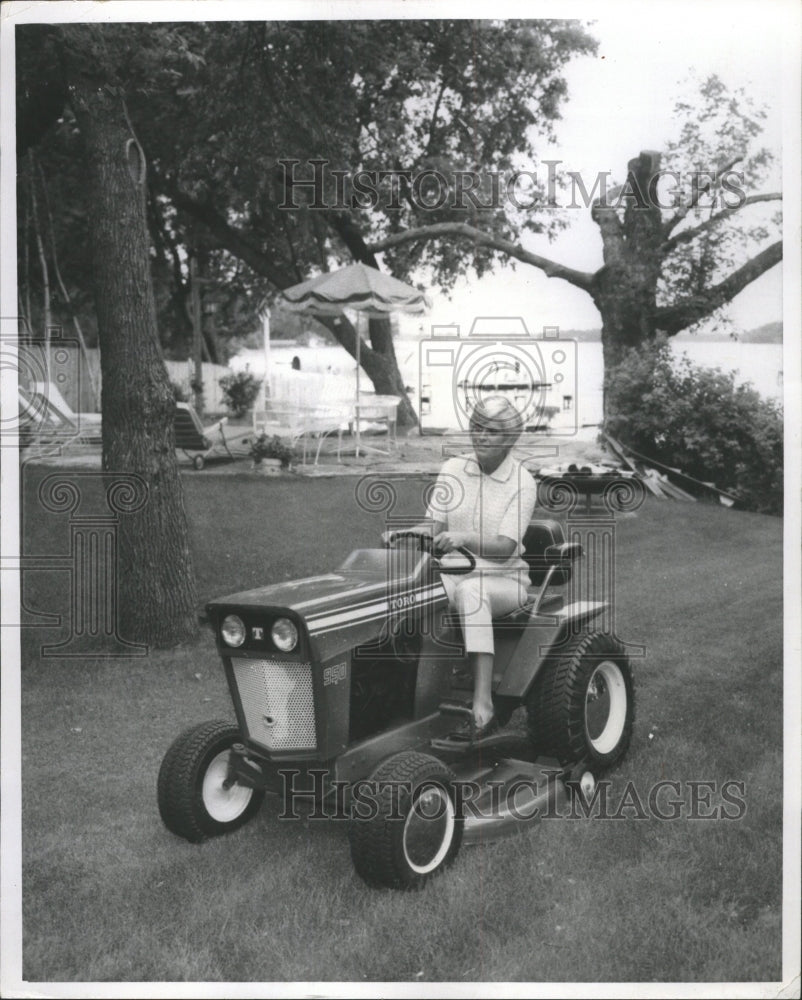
(581, 707)
(198, 796)
(405, 826)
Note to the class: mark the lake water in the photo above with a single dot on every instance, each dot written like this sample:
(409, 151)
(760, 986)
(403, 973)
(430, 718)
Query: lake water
(571, 385)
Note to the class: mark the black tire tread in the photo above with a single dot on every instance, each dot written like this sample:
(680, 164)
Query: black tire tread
(554, 719)
(178, 794)
(374, 847)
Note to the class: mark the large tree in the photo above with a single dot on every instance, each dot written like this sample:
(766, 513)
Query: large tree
(678, 240)
(458, 97)
(156, 585)
(230, 134)
(224, 108)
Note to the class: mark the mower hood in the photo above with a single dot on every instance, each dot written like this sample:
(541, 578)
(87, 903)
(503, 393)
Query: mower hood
(351, 605)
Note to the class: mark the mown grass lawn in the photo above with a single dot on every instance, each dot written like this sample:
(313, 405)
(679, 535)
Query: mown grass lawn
(110, 895)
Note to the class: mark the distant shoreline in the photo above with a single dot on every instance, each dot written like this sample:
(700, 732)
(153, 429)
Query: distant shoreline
(768, 333)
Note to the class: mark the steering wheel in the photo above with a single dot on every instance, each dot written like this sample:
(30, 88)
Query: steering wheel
(427, 545)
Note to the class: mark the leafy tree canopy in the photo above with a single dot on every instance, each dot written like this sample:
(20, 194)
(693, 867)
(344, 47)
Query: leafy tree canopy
(218, 106)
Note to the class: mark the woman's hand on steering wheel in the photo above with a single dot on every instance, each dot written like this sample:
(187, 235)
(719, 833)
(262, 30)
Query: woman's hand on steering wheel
(441, 544)
(454, 541)
(389, 538)
(449, 541)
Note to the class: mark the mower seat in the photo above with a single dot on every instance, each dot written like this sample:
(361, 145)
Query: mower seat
(539, 538)
(544, 548)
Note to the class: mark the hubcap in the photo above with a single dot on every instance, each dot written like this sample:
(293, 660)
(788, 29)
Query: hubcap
(225, 800)
(605, 707)
(428, 829)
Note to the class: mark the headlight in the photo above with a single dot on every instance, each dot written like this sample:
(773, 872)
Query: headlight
(233, 630)
(284, 634)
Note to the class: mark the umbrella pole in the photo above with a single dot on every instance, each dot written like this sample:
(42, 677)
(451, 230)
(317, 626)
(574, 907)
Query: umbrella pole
(356, 405)
(368, 449)
(266, 349)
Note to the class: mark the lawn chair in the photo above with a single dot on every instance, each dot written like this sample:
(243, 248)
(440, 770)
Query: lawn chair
(300, 423)
(192, 436)
(87, 425)
(43, 430)
(378, 411)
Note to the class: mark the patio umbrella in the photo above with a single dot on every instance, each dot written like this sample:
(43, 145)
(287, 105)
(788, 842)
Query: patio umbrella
(358, 287)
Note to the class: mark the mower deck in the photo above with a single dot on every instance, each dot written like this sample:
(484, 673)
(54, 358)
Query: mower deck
(503, 791)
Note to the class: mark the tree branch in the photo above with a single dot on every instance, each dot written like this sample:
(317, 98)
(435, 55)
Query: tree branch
(351, 235)
(435, 113)
(231, 238)
(687, 235)
(678, 216)
(582, 279)
(611, 228)
(672, 319)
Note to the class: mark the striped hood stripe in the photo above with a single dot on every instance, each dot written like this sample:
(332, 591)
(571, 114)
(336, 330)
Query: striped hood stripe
(369, 611)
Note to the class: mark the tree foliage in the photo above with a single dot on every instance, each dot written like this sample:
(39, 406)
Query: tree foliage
(698, 420)
(717, 233)
(218, 106)
(240, 390)
(676, 249)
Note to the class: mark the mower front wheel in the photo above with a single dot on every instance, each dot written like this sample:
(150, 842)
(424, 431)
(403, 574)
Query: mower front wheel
(405, 826)
(198, 795)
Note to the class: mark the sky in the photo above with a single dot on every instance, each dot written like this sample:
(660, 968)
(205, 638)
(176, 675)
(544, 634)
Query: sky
(620, 102)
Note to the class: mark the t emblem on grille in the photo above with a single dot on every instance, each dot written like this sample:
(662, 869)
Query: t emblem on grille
(258, 633)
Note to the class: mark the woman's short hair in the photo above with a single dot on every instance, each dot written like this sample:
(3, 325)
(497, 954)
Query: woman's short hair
(499, 412)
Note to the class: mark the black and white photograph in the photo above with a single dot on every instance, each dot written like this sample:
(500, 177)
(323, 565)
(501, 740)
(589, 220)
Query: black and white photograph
(400, 439)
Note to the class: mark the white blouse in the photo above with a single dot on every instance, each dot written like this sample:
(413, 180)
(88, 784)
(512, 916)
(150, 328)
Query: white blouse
(502, 503)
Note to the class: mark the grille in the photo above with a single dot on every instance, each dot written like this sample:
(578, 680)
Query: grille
(277, 702)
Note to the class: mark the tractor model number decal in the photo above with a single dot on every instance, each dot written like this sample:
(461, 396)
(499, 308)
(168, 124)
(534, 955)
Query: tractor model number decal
(335, 673)
(403, 602)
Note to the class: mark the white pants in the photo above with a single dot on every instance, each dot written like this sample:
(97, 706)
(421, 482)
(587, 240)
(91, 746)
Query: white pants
(480, 597)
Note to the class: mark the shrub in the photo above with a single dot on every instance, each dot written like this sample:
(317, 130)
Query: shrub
(240, 390)
(272, 447)
(698, 420)
(182, 395)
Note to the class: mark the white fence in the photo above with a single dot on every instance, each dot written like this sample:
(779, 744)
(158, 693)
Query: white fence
(306, 390)
(288, 388)
(73, 373)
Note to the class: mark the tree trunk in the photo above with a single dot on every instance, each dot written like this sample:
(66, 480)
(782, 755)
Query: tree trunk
(381, 367)
(156, 586)
(622, 301)
(384, 372)
(37, 229)
(625, 288)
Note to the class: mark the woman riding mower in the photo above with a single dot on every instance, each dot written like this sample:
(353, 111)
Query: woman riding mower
(490, 501)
